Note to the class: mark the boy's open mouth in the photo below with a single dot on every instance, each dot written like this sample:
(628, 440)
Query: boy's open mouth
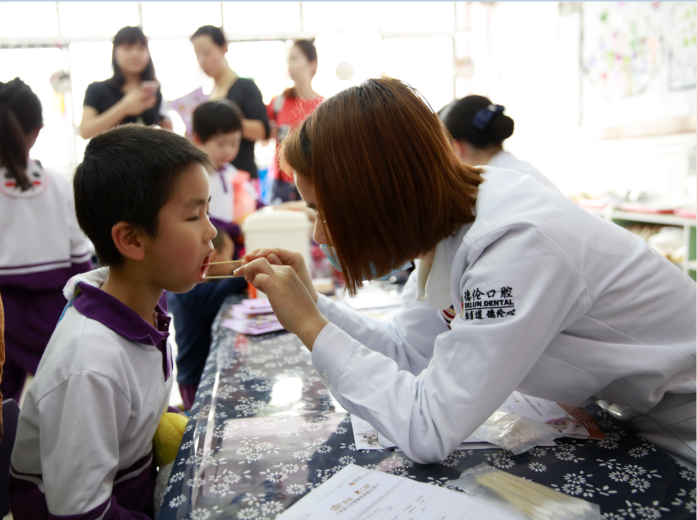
(205, 265)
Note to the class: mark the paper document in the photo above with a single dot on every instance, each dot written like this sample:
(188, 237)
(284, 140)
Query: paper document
(569, 420)
(356, 493)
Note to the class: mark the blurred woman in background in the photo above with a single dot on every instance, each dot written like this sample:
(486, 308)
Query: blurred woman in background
(131, 95)
(210, 47)
(478, 128)
(290, 109)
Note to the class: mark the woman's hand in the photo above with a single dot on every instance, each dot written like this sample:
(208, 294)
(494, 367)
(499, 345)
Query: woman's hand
(278, 256)
(135, 102)
(288, 296)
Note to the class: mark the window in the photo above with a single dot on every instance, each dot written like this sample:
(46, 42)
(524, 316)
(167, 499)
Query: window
(345, 60)
(177, 18)
(96, 18)
(264, 62)
(341, 16)
(417, 16)
(34, 67)
(424, 63)
(176, 67)
(261, 17)
(27, 19)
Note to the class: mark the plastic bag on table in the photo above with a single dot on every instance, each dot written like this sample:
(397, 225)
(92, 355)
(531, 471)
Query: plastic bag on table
(515, 433)
(522, 498)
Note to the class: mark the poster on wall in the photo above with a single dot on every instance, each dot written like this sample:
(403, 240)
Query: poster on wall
(623, 49)
(638, 62)
(683, 46)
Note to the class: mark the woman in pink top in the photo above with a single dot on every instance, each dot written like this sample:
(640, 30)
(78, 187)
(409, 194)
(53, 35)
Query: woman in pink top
(290, 109)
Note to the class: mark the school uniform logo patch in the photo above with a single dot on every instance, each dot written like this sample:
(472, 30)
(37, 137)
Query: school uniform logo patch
(490, 304)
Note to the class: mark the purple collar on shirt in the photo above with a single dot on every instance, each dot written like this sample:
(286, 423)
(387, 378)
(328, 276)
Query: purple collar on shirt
(221, 172)
(110, 312)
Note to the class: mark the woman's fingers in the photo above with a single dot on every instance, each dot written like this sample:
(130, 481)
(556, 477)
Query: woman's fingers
(262, 282)
(273, 259)
(255, 268)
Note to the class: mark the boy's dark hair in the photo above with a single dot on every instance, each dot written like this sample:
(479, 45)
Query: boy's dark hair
(127, 175)
(219, 239)
(216, 117)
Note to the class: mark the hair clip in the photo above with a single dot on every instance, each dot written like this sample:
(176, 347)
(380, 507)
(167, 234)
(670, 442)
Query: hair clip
(484, 116)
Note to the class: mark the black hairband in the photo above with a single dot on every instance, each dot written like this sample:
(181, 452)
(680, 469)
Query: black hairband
(483, 117)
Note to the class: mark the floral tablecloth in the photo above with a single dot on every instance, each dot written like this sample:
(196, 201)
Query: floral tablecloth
(264, 431)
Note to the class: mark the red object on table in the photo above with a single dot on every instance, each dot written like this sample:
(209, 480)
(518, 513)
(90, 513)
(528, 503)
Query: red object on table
(640, 208)
(687, 213)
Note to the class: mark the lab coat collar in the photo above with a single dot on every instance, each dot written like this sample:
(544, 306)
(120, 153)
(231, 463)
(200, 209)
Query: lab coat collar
(433, 279)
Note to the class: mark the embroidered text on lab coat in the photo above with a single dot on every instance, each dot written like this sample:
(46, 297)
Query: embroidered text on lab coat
(488, 304)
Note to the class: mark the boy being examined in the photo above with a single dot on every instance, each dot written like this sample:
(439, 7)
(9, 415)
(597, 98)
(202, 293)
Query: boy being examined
(84, 440)
(194, 313)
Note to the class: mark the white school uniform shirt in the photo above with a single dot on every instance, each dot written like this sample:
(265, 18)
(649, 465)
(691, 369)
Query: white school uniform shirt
(222, 205)
(546, 298)
(40, 233)
(508, 161)
(95, 402)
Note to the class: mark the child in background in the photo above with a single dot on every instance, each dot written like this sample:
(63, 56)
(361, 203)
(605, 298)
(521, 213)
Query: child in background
(84, 439)
(194, 313)
(41, 245)
(217, 128)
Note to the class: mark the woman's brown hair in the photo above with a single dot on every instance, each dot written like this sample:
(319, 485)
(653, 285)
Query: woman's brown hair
(387, 183)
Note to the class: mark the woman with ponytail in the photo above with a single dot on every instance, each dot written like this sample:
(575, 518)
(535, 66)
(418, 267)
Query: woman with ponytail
(41, 245)
(478, 129)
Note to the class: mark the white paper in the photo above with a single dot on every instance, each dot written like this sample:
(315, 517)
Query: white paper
(367, 438)
(356, 493)
(569, 420)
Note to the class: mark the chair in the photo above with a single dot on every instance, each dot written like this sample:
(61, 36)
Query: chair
(10, 415)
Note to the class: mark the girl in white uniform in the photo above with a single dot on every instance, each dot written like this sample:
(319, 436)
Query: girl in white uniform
(516, 288)
(478, 128)
(41, 245)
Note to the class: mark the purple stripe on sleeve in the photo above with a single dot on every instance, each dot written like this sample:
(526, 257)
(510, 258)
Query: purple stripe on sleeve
(42, 280)
(24, 266)
(133, 467)
(130, 500)
(81, 267)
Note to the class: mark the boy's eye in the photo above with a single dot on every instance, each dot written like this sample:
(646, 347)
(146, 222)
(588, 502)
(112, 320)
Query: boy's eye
(194, 218)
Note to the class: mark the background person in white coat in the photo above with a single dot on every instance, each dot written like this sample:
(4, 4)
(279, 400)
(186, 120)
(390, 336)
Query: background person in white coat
(478, 129)
(516, 286)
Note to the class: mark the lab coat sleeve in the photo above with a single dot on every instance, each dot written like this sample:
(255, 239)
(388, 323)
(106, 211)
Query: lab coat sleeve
(81, 422)
(407, 336)
(476, 365)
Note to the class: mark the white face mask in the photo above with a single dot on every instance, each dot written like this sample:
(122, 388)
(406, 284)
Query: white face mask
(330, 253)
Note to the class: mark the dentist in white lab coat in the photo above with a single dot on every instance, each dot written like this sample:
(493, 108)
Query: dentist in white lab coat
(516, 287)
(478, 129)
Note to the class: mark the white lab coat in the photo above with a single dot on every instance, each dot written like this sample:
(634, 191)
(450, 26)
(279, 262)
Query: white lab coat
(582, 309)
(508, 161)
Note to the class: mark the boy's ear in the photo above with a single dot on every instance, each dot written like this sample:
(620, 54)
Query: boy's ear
(197, 139)
(127, 241)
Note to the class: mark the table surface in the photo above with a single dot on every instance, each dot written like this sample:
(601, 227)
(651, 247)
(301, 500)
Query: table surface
(264, 431)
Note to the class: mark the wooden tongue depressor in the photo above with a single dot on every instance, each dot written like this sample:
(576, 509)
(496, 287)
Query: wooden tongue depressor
(237, 262)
